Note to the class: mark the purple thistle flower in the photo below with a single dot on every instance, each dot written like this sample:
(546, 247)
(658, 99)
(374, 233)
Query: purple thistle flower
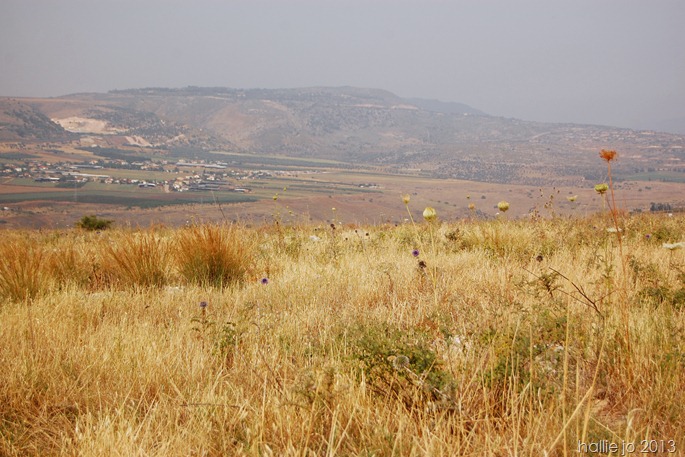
(648, 236)
(415, 252)
(203, 304)
(265, 281)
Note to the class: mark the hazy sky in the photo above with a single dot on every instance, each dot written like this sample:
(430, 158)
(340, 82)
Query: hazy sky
(613, 62)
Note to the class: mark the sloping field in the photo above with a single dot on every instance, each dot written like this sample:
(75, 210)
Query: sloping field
(486, 338)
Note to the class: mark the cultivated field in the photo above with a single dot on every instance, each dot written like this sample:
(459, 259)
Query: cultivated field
(475, 338)
(309, 197)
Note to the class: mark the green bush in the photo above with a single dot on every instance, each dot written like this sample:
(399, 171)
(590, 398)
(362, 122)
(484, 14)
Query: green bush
(401, 364)
(521, 356)
(94, 223)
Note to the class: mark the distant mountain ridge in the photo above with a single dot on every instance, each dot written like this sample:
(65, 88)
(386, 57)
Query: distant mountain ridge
(365, 126)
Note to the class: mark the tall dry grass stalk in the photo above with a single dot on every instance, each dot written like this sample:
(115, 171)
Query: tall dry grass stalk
(23, 275)
(359, 356)
(609, 156)
(138, 258)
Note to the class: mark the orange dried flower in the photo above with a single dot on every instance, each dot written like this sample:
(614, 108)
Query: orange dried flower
(608, 154)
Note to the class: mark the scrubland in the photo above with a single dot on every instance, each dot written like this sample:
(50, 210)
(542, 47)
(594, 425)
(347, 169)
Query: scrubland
(442, 338)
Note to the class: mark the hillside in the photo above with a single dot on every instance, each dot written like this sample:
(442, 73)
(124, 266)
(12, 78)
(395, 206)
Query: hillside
(359, 126)
(475, 338)
(20, 121)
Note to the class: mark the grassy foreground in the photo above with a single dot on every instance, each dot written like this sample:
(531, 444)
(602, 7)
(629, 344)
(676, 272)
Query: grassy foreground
(483, 338)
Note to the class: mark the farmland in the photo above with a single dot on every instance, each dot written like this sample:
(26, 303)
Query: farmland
(222, 186)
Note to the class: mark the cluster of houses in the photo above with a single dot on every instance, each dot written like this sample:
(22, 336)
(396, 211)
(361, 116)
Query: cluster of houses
(187, 176)
(212, 178)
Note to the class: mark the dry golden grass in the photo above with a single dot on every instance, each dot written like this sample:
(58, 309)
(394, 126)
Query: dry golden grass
(212, 255)
(22, 273)
(512, 338)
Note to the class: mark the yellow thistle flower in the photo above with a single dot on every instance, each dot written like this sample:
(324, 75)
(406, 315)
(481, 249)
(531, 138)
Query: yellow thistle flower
(406, 198)
(601, 188)
(572, 198)
(472, 206)
(503, 206)
(429, 214)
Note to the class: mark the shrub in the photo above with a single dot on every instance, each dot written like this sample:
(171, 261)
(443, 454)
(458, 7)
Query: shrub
(401, 364)
(521, 356)
(94, 223)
